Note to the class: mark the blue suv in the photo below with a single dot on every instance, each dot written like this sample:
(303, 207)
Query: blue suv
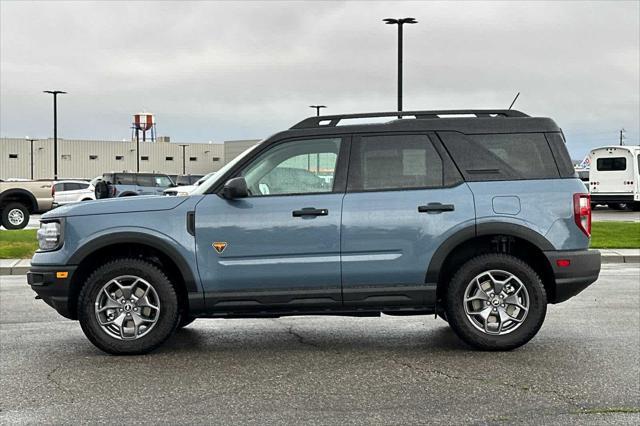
(479, 219)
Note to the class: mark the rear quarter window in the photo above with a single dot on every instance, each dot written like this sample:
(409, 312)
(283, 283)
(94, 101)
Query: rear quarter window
(125, 179)
(513, 156)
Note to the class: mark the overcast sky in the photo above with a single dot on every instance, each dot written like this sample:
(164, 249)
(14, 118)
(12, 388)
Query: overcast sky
(222, 70)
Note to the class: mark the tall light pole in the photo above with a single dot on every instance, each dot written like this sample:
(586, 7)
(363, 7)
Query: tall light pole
(31, 140)
(183, 161)
(400, 22)
(317, 108)
(55, 94)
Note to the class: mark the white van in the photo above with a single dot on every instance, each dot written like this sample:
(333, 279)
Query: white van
(614, 176)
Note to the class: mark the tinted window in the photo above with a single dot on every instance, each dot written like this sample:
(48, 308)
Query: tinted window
(501, 156)
(298, 167)
(71, 186)
(394, 162)
(58, 187)
(561, 155)
(125, 179)
(146, 180)
(611, 164)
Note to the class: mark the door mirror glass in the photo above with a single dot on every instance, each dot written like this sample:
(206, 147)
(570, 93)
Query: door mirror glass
(235, 188)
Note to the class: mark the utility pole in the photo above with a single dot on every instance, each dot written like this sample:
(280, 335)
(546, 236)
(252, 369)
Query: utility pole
(400, 23)
(622, 136)
(183, 158)
(31, 140)
(55, 94)
(317, 108)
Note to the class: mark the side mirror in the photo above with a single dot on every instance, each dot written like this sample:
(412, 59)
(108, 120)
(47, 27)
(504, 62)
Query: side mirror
(235, 188)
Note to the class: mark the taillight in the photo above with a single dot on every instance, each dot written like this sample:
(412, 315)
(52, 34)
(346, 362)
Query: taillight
(582, 212)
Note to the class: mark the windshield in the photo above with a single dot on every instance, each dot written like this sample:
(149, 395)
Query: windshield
(201, 189)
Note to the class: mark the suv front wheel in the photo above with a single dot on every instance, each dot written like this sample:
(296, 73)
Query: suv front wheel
(128, 306)
(496, 302)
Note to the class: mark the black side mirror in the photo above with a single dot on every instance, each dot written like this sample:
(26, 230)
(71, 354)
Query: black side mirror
(235, 188)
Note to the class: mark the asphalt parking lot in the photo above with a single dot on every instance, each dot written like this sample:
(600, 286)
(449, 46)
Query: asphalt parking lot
(582, 368)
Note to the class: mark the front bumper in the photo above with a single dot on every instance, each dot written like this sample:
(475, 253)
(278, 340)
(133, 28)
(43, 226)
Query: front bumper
(55, 291)
(582, 270)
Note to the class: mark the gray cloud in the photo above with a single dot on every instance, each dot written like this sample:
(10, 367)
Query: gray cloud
(222, 70)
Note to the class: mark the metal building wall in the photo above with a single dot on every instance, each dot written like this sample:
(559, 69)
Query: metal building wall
(234, 148)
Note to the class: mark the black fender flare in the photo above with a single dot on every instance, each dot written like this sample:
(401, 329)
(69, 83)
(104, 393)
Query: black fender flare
(21, 193)
(479, 230)
(131, 237)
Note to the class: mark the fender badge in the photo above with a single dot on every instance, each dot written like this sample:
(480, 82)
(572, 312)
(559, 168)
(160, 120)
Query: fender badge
(219, 246)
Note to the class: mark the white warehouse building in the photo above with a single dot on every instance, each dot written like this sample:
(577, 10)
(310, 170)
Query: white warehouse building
(86, 159)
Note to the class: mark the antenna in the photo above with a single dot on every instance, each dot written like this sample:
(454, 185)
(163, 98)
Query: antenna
(514, 100)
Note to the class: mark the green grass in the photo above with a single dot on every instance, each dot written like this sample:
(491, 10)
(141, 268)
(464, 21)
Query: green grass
(18, 244)
(615, 235)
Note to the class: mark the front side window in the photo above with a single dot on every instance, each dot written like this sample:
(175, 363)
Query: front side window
(612, 164)
(297, 167)
(162, 181)
(394, 162)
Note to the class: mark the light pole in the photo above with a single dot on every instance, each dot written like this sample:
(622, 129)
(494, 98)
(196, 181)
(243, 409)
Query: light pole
(317, 107)
(55, 94)
(183, 161)
(31, 140)
(400, 22)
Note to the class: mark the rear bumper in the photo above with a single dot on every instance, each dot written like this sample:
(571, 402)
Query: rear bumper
(611, 198)
(54, 291)
(582, 270)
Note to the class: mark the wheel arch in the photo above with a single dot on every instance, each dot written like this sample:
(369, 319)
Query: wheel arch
(136, 245)
(517, 240)
(21, 196)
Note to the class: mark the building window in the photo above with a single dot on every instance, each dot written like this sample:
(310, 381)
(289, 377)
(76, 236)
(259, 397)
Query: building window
(193, 158)
(216, 158)
(66, 156)
(119, 157)
(93, 157)
(168, 158)
(145, 158)
(13, 155)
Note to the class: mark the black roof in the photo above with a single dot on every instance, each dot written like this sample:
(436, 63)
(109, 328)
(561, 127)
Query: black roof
(464, 121)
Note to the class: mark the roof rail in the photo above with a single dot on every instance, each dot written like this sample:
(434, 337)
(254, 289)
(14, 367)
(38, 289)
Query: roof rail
(333, 120)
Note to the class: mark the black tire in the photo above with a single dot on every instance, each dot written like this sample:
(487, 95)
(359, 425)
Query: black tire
(167, 320)
(102, 190)
(11, 208)
(618, 206)
(463, 326)
(185, 320)
(636, 206)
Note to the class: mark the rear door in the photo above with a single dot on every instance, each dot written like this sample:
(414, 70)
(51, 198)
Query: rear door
(404, 198)
(612, 171)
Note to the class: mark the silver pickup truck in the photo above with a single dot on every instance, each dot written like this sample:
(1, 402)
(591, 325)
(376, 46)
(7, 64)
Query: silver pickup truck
(21, 198)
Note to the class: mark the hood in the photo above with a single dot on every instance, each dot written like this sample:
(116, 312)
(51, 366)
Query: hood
(117, 205)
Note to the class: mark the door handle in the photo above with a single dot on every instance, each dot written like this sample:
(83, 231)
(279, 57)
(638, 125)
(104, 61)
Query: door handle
(436, 208)
(310, 211)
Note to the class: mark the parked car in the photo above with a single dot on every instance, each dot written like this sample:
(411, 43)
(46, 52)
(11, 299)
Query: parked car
(184, 180)
(127, 184)
(186, 189)
(20, 198)
(72, 191)
(614, 177)
(480, 220)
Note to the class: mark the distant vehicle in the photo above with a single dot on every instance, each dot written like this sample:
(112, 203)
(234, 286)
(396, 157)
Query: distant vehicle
(283, 180)
(184, 180)
(186, 189)
(19, 199)
(127, 184)
(72, 191)
(614, 177)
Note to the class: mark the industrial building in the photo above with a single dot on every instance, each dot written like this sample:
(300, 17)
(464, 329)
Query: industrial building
(86, 159)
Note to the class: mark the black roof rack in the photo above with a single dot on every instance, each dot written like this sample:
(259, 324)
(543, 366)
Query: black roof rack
(333, 120)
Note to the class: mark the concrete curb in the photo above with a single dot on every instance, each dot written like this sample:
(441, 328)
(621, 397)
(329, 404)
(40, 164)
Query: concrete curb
(21, 266)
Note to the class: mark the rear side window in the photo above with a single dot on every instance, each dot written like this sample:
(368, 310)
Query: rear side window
(125, 179)
(559, 150)
(612, 164)
(501, 156)
(72, 186)
(394, 162)
(146, 180)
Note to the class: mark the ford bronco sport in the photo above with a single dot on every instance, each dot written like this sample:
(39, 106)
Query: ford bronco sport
(478, 219)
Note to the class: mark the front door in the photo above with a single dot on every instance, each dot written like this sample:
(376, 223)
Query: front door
(280, 246)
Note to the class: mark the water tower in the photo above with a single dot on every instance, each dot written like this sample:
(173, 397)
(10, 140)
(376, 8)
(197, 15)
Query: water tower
(144, 122)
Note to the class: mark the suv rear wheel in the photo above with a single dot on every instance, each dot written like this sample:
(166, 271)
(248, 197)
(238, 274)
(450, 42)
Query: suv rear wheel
(128, 306)
(496, 302)
(15, 216)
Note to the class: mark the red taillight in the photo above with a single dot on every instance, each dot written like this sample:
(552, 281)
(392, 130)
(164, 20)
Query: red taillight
(582, 212)
(563, 263)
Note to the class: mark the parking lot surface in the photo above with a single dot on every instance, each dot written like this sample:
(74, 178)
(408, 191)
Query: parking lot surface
(603, 214)
(582, 368)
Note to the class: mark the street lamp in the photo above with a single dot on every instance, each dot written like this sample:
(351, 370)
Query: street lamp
(183, 162)
(400, 22)
(31, 140)
(317, 107)
(55, 94)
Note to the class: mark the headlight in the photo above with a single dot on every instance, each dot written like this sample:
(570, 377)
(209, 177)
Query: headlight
(49, 235)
